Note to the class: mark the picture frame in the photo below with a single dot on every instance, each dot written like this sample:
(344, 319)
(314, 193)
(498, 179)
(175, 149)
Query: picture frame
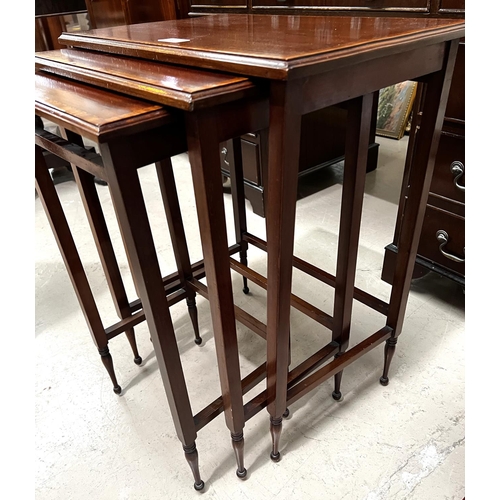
(394, 108)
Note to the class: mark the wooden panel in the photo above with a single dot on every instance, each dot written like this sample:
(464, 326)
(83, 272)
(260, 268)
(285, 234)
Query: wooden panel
(350, 5)
(455, 108)
(105, 13)
(452, 6)
(219, 3)
(251, 161)
(59, 7)
(145, 11)
(435, 220)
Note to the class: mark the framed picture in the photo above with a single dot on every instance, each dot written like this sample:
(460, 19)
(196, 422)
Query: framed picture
(394, 108)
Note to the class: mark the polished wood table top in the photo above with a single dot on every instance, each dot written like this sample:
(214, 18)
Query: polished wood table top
(277, 47)
(176, 86)
(100, 123)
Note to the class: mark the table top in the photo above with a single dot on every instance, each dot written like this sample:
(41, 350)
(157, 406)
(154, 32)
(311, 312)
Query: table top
(101, 114)
(276, 47)
(176, 86)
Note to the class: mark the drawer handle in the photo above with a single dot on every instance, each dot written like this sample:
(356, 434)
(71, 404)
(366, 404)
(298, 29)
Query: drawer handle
(442, 237)
(224, 152)
(457, 169)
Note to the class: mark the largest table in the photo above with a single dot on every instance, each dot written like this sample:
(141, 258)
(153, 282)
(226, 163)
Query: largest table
(310, 63)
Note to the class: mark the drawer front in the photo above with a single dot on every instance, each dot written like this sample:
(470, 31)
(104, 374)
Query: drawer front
(449, 246)
(448, 179)
(251, 161)
(361, 5)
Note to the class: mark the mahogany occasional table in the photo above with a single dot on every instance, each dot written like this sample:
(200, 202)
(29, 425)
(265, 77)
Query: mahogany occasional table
(311, 63)
(132, 133)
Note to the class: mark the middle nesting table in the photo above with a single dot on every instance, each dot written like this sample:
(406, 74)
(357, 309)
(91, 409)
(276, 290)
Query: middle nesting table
(217, 108)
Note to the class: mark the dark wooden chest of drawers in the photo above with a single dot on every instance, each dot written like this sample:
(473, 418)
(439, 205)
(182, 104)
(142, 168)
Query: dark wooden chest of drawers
(442, 244)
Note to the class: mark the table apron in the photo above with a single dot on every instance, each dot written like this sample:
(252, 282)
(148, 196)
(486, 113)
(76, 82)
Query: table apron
(333, 87)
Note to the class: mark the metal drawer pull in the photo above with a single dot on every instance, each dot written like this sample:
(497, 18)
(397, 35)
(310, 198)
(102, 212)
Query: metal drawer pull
(224, 152)
(457, 169)
(442, 237)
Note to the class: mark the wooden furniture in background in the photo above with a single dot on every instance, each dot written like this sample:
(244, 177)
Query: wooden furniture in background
(442, 244)
(105, 13)
(52, 17)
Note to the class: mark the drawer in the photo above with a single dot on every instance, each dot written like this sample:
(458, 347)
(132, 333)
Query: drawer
(362, 5)
(450, 155)
(450, 246)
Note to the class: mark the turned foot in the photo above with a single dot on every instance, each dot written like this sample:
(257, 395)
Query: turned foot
(390, 348)
(193, 313)
(107, 361)
(246, 290)
(238, 445)
(276, 427)
(244, 261)
(337, 395)
(191, 454)
(133, 344)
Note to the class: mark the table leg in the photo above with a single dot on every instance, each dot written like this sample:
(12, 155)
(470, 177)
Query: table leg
(172, 208)
(126, 194)
(437, 86)
(238, 196)
(69, 252)
(90, 199)
(203, 147)
(359, 116)
(284, 148)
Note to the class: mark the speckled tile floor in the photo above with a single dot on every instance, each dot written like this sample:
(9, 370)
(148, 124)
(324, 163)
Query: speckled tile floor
(403, 441)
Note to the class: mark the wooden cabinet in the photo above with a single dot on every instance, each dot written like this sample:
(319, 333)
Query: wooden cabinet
(351, 5)
(442, 243)
(453, 8)
(106, 13)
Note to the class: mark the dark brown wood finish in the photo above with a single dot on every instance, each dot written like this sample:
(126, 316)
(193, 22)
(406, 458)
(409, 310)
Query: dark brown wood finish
(358, 129)
(326, 7)
(284, 47)
(322, 58)
(445, 212)
(104, 13)
(119, 127)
